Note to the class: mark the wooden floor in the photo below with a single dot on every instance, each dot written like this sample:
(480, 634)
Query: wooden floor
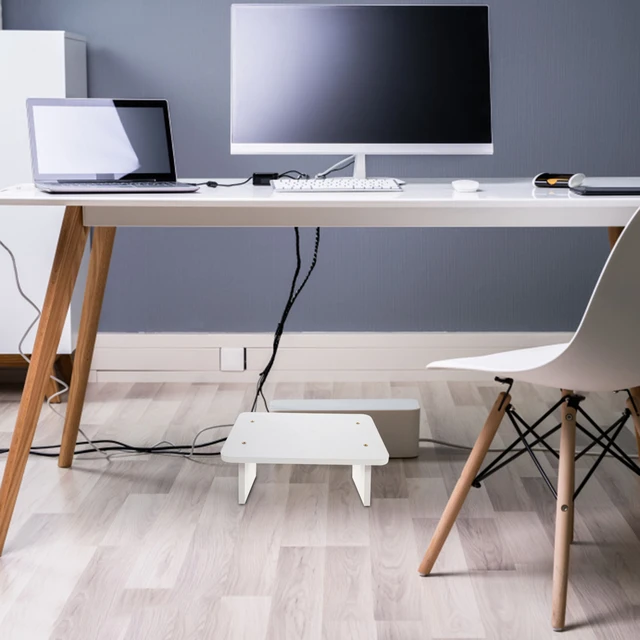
(157, 548)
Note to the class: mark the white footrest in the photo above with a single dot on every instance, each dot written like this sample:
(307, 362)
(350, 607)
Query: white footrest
(299, 438)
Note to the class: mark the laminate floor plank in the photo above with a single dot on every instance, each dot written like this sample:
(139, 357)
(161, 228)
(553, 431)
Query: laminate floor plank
(618, 543)
(254, 561)
(194, 409)
(240, 618)
(484, 548)
(453, 611)
(296, 609)
(136, 516)
(389, 481)
(346, 390)
(352, 630)
(58, 573)
(211, 548)
(394, 561)
(306, 516)
(89, 606)
(166, 543)
(348, 593)
(402, 631)
(347, 519)
(465, 394)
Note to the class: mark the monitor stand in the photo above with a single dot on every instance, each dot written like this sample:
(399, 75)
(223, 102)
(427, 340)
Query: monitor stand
(358, 160)
(359, 165)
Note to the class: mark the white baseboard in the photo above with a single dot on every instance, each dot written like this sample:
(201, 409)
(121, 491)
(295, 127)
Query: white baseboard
(195, 357)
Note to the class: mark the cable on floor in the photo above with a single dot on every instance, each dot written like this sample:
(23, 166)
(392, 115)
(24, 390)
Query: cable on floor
(163, 447)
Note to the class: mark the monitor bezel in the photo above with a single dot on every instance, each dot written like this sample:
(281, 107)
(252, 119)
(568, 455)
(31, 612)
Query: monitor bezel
(99, 102)
(302, 148)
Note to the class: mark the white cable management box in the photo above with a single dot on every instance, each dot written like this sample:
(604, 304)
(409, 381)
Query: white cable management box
(397, 419)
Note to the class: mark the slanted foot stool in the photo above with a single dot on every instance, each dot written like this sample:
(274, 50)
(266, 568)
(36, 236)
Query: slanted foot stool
(301, 438)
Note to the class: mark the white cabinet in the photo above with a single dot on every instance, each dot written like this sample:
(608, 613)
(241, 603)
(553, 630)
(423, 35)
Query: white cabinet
(43, 64)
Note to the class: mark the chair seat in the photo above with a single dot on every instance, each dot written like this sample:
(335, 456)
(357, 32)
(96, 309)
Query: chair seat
(554, 365)
(508, 363)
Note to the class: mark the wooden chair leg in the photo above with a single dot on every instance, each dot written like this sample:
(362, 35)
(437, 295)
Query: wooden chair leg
(463, 485)
(634, 407)
(101, 249)
(564, 516)
(564, 393)
(66, 264)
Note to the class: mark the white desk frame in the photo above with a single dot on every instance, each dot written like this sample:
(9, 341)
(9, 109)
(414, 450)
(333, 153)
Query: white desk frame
(500, 203)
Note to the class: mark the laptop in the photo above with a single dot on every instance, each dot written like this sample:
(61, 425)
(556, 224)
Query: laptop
(595, 190)
(102, 146)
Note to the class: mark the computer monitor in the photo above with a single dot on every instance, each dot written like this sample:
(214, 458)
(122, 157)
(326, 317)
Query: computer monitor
(360, 79)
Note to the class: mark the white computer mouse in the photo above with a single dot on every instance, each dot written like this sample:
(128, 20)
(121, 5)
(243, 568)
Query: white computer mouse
(465, 186)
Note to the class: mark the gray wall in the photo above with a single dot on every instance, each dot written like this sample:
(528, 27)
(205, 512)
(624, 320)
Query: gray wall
(566, 81)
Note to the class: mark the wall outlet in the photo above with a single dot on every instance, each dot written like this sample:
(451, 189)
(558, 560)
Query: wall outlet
(233, 359)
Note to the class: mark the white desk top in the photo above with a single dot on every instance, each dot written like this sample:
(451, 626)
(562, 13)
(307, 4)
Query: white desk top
(499, 203)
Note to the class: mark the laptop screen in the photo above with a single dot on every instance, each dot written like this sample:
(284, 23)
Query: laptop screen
(99, 139)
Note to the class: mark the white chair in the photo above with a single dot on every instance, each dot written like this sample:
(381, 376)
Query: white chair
(603, 355)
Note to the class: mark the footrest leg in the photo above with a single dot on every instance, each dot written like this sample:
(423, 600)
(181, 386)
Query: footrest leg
(246, 477)
(361, 475)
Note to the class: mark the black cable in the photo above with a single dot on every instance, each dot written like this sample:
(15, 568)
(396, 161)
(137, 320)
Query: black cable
(266, 404)
(293, 295)
(178, 449)
(280, 328)
(299, 176)
(132, 450)
(213, 184)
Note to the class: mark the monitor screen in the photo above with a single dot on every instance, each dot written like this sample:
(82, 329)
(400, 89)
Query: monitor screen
(349, 75)
(100, 139)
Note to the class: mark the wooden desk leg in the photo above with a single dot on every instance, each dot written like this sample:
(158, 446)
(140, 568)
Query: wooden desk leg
(564, 517)
(614, 234)
(99, 261)
(463, 485)
(66, 264)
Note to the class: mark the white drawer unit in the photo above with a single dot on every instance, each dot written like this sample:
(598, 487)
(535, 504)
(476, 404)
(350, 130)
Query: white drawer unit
(45, 64)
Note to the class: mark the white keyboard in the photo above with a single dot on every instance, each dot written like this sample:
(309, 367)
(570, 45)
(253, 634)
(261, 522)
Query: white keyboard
(287, 185)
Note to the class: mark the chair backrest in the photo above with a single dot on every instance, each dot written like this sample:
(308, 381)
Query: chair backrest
(607, 343)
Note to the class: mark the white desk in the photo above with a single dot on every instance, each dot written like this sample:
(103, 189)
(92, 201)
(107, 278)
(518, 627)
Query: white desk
(500, 203)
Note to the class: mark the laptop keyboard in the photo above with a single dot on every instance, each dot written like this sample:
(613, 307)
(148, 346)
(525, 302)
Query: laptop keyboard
(124, 183)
